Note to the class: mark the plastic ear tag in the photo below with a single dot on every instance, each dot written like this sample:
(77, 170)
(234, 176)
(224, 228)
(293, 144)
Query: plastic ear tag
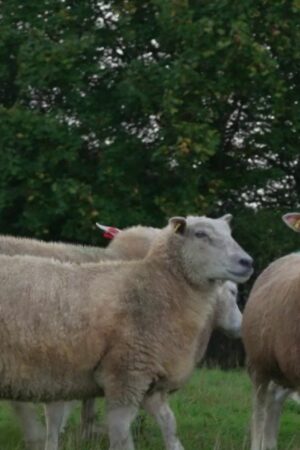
(297, 224)
(108, 232)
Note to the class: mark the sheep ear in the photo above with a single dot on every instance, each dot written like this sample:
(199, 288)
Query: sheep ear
(227, 218)
(178, 224)
(292, 220)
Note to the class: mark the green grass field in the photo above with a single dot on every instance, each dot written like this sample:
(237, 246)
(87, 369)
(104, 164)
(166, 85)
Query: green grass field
(212, 411)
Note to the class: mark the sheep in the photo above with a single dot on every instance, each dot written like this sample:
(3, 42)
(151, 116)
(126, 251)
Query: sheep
(264, 309)
(268, 402)
(132, 243)
(271, 339)
(226, 317)
(73, 311)
(292, 220)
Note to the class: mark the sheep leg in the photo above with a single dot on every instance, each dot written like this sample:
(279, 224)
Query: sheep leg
(119, 420)
(258, 415)
(89, 426)
(124, 389)
(33, 430)
(276, 397)
(54, 413)
(158, 407)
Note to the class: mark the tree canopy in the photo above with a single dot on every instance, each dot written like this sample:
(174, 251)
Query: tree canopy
(132, 111)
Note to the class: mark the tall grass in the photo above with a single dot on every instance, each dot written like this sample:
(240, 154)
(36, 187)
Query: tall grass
(213, 413)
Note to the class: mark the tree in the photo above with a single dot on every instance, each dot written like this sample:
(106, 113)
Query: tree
(133, 111)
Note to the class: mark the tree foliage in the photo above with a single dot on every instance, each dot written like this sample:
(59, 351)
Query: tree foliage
(132, 111)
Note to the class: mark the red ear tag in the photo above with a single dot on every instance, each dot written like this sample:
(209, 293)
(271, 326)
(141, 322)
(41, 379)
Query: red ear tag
(111, 232)
(108, 232)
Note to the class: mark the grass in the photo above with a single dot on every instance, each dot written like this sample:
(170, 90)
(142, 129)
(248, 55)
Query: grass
(213, 413)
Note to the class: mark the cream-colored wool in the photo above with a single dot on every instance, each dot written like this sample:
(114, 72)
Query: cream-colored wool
(132, 243)
(79, 254)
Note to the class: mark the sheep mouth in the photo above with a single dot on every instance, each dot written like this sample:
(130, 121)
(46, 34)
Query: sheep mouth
(233, 333)
(242, 273)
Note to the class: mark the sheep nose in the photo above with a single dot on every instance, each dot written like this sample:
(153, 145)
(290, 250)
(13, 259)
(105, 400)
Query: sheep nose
(246, 262)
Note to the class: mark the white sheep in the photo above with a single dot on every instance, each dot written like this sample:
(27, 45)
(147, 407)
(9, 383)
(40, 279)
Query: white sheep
(133, 244)
(63, 316)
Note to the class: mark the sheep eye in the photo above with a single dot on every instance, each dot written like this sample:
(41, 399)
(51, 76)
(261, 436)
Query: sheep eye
(201, 234)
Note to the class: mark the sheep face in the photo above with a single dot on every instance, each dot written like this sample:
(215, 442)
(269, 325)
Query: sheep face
(209, 252)
(228, 314)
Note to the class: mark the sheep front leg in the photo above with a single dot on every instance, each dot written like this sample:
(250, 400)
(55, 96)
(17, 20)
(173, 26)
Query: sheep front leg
(34, 432)
(158, 407)
(119, 419)
(124, 392)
